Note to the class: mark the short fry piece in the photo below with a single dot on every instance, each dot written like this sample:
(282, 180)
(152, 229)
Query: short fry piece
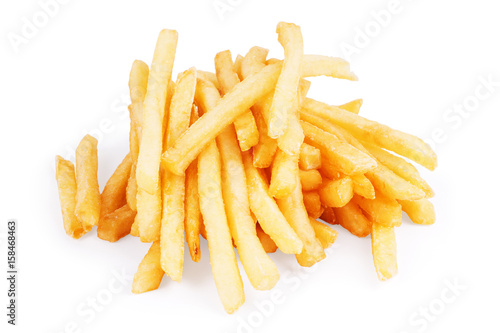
(353, 220)
(419, 211)
(310, 180)
(66, 183)
(310, 157)
(88, 198)
(265, 149)
(312, 202)
(316, 65)
(381, 210)
(114, 194)
(284, 175)
(329, 216)
(148, 163)
(116, 225)
(336, 193)
(267, 243)
(284, 101)
(149, 274)
(324, 233)
(384, 251)
(266, 210)
(363, 186)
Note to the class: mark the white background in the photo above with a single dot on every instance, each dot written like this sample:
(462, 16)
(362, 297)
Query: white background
(71, 77)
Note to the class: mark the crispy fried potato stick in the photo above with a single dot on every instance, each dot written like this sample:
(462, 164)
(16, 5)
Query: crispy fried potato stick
(295, 213)
(352, 106)
(337, 192)
(66, 183)
(266, 210)
(324, 233)
(88, 198)
(116, 224)
(233, 104)
(312, 202)
(310, 180)
(309, 157)
(261, 271)
(174, 186)
(384, 251)
(267, 243)
(353, 220)
(329, 216)
(401, 143)
(284, 101)
(316, 65)
(149, 274)
(284, 174)
(245, 126)
(114, 194)
(148, 162)
(381, 210)
(419, 211)
(148, 215)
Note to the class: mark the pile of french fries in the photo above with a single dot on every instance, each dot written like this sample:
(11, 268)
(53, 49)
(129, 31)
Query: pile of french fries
(244, 158)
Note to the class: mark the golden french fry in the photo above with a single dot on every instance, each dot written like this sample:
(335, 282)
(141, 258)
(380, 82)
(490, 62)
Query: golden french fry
(337, 192)
(222, 258)
(174, 186)
(253, 61)
(284, 174)
(148, 162)
(245, 126)
(284, 101)
(148, 216)
(353, 220)
(192, 220)
(131, 191)
(237, 65)
(400, 167)
(401, 143)
(324, 233)
(352, 106)
(261, 271)
(267, 243)
(114, 194)
(233, 104)
(309, 157)
(363, 186)
(265, 149)
(310, 180)
(312, 202)
(384, 251)
(149, 274)
(66, 183)
(316, 65)
(329, 216)
(209, 76)
(419, 211)
(295, 213)
(88, 198)
(137, 83)
(116, 224)
(266, 210)
(134, 229)
(346, 158)
(381, 210)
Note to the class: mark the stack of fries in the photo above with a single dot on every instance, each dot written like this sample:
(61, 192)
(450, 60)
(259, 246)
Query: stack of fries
(245, 159)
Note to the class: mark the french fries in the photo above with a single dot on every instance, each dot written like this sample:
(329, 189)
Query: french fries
(66, 183)
(252, 172)
(88, 198)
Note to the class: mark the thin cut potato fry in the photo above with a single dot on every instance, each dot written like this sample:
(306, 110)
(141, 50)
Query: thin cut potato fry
(114, 194)
(265, 149)
(310, 180)
(137, 83)
(316, 65)
(384, 251)
(173, 189)
(209, 76)
(245, 126)
(116, 224)
(148, 162)
(381, 210)
(309, 157)
(363, 186)
(131, 191)
(233, 104)
(295, 213)
(284, 101)
(253, 61)
(352, 106)
(400, 167)
(88, 198)
(324, 233)
(346, 158)
(148, 216)
(401, 143)
(336, 193)
(261, 271)
(66, 183)
(353, 220)
(329, 216)
(134, 229)
(222, 257)
(266, 210)
(419, 211)
(149, 274)
(284, 174)
(192, 222)
(237, 65)
(312, 202)
(293, 137)
(267, 243)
